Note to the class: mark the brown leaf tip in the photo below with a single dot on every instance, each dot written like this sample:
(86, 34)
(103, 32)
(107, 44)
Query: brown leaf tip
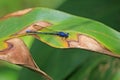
(16, 14)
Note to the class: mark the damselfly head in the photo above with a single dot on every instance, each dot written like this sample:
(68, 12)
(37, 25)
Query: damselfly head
(63, 34)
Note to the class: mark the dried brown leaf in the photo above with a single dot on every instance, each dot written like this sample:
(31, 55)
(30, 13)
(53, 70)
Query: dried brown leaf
(88, 43)
(18, 53)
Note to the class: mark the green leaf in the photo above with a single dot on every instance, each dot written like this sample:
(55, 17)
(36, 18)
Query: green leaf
(60, 21)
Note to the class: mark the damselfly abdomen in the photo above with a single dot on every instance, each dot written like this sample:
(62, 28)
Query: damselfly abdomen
(60, 34)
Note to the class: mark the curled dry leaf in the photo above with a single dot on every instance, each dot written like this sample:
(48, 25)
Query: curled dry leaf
(18, 53)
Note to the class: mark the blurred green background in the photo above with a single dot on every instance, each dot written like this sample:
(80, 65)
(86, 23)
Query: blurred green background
(67, 64)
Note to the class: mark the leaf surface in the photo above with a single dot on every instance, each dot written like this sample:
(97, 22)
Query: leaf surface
(62, 22)
(83, 33)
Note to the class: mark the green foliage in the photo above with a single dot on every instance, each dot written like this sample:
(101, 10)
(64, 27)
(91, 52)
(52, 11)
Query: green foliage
(69, 64)
(62, 22)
